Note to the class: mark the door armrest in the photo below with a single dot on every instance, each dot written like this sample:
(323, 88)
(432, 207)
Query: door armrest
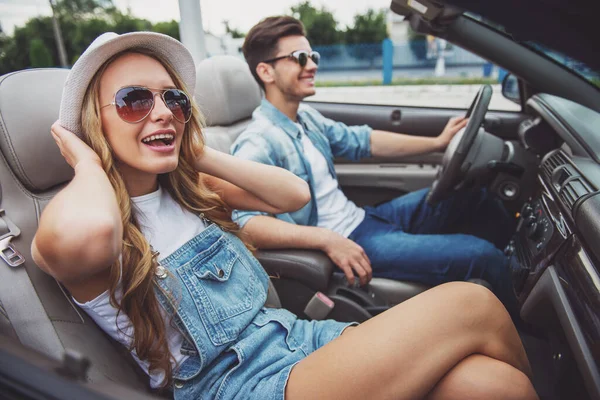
(310, 267)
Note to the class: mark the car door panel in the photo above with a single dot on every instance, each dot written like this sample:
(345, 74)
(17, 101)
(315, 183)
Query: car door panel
(370, 184)
(415, 120)
(376, 180)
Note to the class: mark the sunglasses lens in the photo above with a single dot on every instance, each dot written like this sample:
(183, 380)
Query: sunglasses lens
(316, 57)
(302, 57)
(133, 104)
(179, 104)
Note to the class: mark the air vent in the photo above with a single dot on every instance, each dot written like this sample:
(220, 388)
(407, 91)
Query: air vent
(554, 161)
(562, 175)
(572, 191)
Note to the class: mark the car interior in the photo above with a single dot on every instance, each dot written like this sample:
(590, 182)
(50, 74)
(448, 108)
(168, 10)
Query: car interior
(543, 161)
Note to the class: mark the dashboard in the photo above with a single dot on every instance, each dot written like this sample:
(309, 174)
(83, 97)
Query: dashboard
(557, 243)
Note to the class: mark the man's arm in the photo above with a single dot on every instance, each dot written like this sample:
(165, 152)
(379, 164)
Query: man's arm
(389, 144)
(357, 142)
(270, 233)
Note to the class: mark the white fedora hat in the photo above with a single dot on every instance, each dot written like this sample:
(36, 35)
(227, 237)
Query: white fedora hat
(107, 45)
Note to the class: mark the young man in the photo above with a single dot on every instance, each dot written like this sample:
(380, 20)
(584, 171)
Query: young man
(404, 239)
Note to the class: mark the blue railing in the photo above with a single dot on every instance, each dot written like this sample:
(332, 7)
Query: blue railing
(404, 55)
(421, 58)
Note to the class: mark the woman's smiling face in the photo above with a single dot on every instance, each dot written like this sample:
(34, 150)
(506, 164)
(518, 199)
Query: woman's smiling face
(139, 155)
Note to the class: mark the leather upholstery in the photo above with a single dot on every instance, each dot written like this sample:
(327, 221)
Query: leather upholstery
(6, 328)
(31, 172)
(29, 105)
(225, 90)
(312, 268)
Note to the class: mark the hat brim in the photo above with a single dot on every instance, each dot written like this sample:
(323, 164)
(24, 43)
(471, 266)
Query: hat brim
(92, 59)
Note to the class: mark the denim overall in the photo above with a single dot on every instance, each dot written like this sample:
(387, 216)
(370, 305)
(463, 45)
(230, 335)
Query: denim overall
(238, 348)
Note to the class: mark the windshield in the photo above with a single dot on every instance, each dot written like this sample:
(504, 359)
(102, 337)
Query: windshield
(576, 66)
(570, 63)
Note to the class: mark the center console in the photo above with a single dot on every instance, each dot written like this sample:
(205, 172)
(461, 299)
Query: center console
(540, 232)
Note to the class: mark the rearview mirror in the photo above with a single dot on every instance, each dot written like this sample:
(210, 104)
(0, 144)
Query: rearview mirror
(510, 88)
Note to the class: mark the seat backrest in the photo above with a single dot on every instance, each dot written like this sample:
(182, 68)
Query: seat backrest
(32, 171)
(227, 95)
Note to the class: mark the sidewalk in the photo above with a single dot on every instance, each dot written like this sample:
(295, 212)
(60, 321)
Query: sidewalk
(440, 96)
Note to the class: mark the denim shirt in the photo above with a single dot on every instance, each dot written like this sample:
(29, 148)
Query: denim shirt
(274, 139)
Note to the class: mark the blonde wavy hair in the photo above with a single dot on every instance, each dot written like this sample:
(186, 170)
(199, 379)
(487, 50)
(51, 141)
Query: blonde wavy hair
(139, 301)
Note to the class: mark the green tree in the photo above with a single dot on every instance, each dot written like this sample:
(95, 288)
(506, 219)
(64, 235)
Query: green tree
(39, 28)
(170, 28)
(39, 55)
(236, 34)
(6, 42)
(79, 34)
(320, 24)
(123, 23)
(366, 35)
(84, 8)
(367, 28)
(81, 21)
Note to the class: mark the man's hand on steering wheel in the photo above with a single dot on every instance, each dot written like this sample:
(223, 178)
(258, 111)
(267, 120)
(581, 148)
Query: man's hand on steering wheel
(453, 126)
(451, 171)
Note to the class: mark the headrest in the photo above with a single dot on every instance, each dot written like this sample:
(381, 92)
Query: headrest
(225, 90)
(29, 104)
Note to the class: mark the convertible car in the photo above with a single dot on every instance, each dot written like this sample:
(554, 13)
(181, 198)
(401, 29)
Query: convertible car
(543, 161)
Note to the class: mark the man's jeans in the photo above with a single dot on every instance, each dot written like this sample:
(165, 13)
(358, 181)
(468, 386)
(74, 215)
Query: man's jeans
(457, 240)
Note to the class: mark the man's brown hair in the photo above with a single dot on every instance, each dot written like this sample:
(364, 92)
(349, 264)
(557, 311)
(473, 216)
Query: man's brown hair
(261, 42)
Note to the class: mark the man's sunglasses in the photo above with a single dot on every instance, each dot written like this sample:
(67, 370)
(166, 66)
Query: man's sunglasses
(301, 57)
(134, 103)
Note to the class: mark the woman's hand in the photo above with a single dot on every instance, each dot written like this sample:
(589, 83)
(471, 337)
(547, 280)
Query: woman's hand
(203, 159)
(73, 149)
(80, 231)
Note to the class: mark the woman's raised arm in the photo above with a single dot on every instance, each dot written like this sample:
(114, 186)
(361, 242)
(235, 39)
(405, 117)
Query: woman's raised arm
(248, 185)
(80, 231)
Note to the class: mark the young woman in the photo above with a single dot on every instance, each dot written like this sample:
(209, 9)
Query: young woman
(143, 240)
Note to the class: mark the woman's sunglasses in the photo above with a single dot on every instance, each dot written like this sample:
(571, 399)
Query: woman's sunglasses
(134, 103)
(301, 57)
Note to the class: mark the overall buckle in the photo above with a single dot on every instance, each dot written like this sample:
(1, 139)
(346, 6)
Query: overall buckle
(8, 252)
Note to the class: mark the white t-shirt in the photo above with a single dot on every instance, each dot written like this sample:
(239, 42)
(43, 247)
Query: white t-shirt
(335, 211)
(167, 227)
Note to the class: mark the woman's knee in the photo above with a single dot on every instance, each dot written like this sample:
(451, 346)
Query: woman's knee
(520, 387)
(481, 377)
(469, 293)
(513, 385)
(478, 303)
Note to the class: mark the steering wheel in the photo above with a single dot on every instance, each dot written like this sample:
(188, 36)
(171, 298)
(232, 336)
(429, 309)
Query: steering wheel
(453, 168)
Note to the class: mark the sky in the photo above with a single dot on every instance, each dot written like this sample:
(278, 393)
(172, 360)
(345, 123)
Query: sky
(241, 14)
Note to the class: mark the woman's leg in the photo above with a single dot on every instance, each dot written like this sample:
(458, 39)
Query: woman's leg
(481, 377)
(405, 352)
